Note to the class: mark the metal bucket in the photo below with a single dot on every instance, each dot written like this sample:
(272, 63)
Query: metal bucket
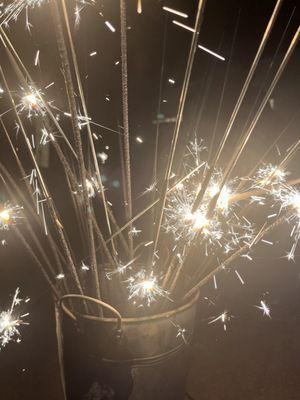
(124, 358)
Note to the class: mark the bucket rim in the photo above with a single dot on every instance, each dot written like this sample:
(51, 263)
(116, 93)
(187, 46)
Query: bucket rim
(131, 320)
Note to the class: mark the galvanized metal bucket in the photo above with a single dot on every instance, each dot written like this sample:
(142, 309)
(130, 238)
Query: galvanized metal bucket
(124, 358)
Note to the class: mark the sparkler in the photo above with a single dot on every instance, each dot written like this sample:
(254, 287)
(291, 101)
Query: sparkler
(11, 320)
(144, 288)
(9, 215)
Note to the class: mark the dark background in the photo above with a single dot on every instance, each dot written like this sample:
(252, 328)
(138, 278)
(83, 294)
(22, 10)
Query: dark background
(257, 357)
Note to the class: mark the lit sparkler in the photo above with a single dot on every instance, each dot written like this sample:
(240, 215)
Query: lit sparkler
(144, 288)
(11, 320)
(9, 215)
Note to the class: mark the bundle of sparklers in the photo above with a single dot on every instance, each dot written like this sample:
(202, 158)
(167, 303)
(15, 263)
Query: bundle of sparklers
(198, 210)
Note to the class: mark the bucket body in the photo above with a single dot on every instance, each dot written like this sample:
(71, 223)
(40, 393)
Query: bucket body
(147, 361)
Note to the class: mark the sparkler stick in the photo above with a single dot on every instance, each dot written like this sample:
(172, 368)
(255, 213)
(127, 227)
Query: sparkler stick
(183, 95)
(228, 261)
(238, 152)
(90, 136)
(128, 205)
(124, 191)
(268, 71)
(78, 143)
(238, 105)
(162, 68)
(49, 200)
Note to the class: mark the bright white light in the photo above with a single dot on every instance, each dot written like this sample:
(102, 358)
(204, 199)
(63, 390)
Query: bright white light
(211, 52)
(110, 27)
(4, 215)
(188, 28)
(176, 12)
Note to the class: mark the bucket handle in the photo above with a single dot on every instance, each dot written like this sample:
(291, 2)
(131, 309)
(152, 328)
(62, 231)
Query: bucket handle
(96, 301)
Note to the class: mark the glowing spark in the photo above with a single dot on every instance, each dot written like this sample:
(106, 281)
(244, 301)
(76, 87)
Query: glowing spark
(134, 232)
(265, 308)
(171, 81)
(215, 283)
(145, 287)
(139, 139)
(93, 53)
(9, 215)
(84, 267)
(239, 276)
(188, 28)
(10, 321)
(121, 269)
(37, 58)
(179, 13)
(211, 52)
(224, 317)
(60, 276)
(139, 7)
(110, 27)
(103, 157)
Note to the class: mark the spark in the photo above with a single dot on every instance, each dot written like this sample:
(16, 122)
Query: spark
(149, 189)
(183, 26)
(134, 232)
(145, 287)
(224, 317)
(139, 6)
(37, 58)
(110, 26)
(176, 12)
(11, 320)
(103, 157)
(239, 276)
(121, 269)
(46, 137)
(84, 267)
(60, 276)
(32, 103)
(171, 81)
(139, 139)
(93, 53)
(49, 85)
(211, 52)
(265, 308)
(9, 215)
